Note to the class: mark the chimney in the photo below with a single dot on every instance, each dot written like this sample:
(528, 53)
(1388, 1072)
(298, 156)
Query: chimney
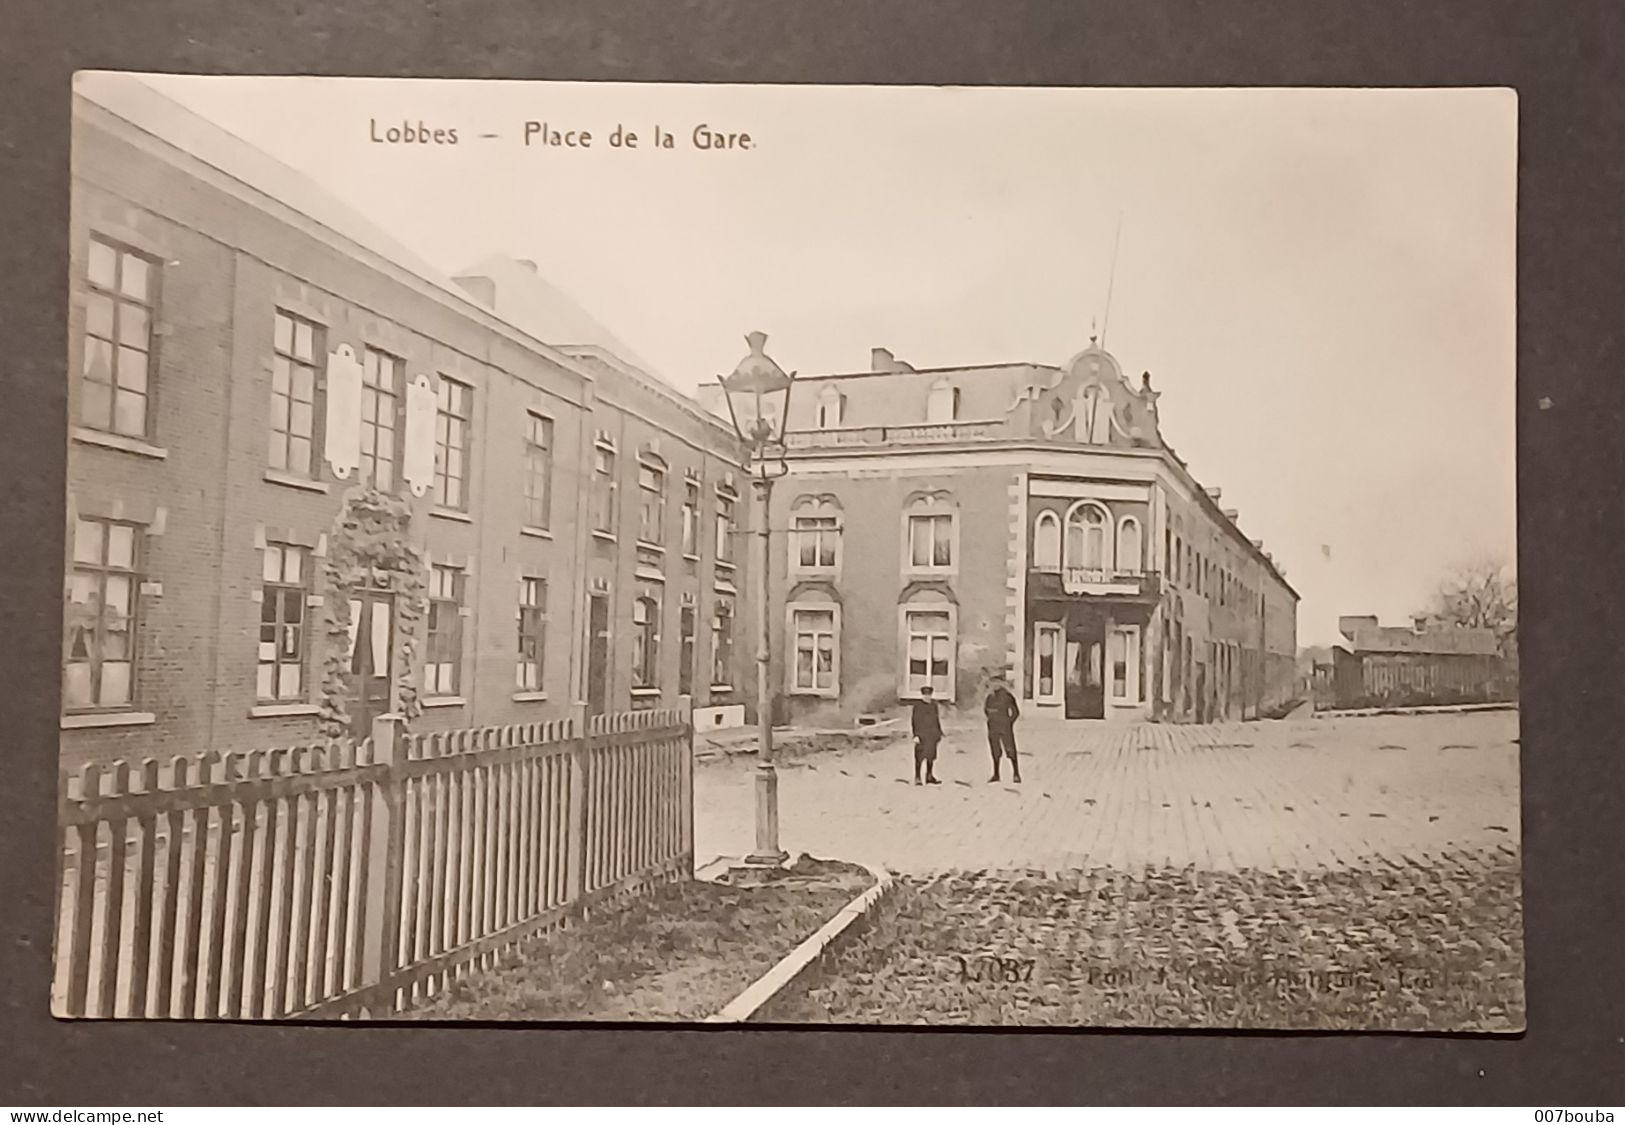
(482, 289)
(1232, 515)
(1214, 493)
(1419, 622)
(881, 359)
(1348, 626)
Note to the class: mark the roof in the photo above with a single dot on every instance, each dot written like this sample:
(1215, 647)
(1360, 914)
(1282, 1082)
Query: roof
(1434, 641)
(129, 97)
(527, 305)
(527, 300)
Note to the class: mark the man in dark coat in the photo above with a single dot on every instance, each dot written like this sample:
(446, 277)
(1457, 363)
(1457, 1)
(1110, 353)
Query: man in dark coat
(1002, 713)
(927, 726)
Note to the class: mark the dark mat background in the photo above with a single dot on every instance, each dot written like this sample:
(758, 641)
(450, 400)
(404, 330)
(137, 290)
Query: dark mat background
(1565, 59)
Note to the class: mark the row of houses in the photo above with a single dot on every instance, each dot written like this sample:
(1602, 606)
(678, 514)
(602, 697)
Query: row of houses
(944, 526)
(312, 480)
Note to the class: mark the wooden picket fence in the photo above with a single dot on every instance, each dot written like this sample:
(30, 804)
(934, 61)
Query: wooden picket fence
(354, 879)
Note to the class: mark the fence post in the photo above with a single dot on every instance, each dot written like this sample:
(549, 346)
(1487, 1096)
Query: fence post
(381, 918)
(575, 869)
(687, 797)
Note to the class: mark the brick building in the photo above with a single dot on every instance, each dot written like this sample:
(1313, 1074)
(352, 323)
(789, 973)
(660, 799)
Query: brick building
(311, 479)
(949, 524)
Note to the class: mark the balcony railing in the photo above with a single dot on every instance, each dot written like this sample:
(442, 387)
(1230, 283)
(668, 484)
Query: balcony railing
(1079, 581)
(926, 433)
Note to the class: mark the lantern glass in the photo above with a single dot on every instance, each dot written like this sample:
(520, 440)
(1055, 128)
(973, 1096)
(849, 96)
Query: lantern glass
(758, 395)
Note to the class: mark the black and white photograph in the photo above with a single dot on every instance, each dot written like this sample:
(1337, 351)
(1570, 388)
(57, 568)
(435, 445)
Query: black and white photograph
(994, 557)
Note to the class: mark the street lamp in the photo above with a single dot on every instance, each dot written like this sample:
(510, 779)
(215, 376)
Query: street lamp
(758, 394)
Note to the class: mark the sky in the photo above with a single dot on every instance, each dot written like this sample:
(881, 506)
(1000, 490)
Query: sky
(1321, 282)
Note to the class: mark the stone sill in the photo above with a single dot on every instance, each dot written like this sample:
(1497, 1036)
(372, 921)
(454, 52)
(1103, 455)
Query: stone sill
(538, 532)
(605, 536)
(109, 719)
(443, 701)
(645, 692)
(812, 693)
(451, 514)
(530, 697)
(289, 480)
(283, 710)
(119, 442)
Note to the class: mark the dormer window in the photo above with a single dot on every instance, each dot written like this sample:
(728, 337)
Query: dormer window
(943, 403)
(831, 407)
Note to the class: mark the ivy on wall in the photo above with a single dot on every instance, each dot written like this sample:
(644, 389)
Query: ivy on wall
(370, 548)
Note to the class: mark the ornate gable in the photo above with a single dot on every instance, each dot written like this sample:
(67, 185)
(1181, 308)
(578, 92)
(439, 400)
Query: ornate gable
(1090, 403)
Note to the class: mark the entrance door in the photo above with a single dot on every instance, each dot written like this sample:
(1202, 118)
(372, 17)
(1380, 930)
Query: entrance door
(597, 653)
(1085, 671)
(1048, 647)
(372, 636)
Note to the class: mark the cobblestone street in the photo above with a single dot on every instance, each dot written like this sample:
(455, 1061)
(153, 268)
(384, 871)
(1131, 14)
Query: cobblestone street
(1350, 873)
(1293, 794)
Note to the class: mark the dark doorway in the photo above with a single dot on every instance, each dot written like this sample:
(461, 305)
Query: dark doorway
(372, 619)
(1085, 667)
(597, 653)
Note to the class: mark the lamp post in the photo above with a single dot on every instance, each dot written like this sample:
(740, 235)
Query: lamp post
(758, 394)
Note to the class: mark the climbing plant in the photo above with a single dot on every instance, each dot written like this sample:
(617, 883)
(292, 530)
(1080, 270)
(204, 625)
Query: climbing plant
(370, 547)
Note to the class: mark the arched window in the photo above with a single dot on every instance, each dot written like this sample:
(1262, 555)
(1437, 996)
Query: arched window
(1088, 537)
(831, 406)
(943, 403)
(1128, 545)
(1047, 541)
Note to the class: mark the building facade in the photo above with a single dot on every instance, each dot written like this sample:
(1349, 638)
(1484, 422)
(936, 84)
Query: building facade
(1421, 664)
(944, 526)
(311, 480)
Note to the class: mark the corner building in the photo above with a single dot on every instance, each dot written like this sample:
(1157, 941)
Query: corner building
(311, 480)
(942, 526)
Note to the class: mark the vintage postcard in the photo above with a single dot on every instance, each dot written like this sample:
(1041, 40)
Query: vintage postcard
(790, 554)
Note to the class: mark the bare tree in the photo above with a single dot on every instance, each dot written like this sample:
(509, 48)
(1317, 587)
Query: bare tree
(1482, 594)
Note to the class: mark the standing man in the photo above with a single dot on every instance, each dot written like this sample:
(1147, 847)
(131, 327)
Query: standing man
(1002, 713)
(927, 726)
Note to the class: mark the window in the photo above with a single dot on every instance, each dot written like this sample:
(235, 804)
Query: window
(115, 391)
(652, 503)
(1128, 545)
(1044, 688)
(725, 529)
(646, 642)
(1047, 541)
(1086, 537)
(443, 652)
(943, 403)
(99, 635)
(722, 646)
(691, 519)
(538, 471)
(1178, 564)
(532, 634)
(382, 376)
(830, 408)
(453, 411)
(815, 651)
(818, 541)
(284, 589)
(930, 652)
(685, 643)
(296, 345)
(930, 542)
(1167, 548)
(1123, 654)
(603, 479)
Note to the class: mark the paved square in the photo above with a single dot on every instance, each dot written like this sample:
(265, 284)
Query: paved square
(1298, 794)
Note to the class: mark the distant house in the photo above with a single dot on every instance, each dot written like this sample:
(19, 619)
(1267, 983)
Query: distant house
(1420, 664)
